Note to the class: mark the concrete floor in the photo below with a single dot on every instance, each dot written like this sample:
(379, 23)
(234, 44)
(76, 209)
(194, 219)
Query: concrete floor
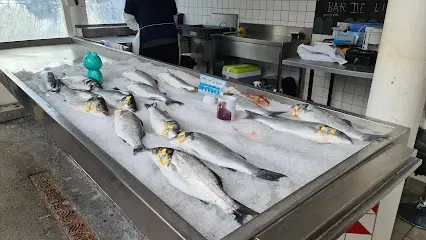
(25, 149)
(403, 230)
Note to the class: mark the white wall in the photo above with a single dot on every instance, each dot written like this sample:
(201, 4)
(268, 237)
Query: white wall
(299, 13)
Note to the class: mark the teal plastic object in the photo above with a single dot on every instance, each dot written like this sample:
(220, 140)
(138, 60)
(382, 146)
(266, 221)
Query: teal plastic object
(93, 63)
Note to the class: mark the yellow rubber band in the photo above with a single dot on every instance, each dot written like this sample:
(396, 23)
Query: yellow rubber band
(163, 157)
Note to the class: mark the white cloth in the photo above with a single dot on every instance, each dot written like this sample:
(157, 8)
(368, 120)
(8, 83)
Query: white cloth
(321, 52)
(133, 24)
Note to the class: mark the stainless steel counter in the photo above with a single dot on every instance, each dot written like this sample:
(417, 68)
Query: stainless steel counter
(262, 43)
(353, 186)
(333, 68)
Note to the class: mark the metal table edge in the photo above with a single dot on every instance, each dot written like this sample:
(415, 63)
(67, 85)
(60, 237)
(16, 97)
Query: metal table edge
(335, 224)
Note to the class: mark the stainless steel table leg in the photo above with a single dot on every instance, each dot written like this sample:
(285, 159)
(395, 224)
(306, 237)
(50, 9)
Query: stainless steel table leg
(302, 78)
(311, 84)
(330, 89)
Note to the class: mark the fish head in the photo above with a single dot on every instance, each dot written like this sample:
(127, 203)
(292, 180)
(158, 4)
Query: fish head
(151, 106)
(298, 109)
(92, 84)
(129, 103)
(334, 136)
(182, 138)
(96, 106)
(162, 156)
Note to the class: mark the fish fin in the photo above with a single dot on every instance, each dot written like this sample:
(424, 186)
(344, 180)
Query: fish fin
(204, 202)
(242, 212)
(123, 140)
(139, 149)
(348, 122)
(219, 179)
(372, 137)
(251, 115)
(269, 175)
(233, 169)
(275, 114)
(170, 102)
(116, 88)
(154, 104)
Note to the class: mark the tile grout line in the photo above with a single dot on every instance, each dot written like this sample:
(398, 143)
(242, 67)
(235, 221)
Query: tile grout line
(405, 236)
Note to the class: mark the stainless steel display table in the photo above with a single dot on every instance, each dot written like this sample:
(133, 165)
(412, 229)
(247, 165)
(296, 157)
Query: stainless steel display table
(333, 68)
(354, 185)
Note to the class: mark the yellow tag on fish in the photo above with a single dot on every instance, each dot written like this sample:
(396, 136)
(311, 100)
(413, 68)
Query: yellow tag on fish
(117, 113)
(127, 101)
(163, 157)
(168, 127)
(89, 107)
(181, 137)
(328, 130)
(295, 110)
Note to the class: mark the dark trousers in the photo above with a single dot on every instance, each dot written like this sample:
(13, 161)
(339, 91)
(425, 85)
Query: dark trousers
(168, 53)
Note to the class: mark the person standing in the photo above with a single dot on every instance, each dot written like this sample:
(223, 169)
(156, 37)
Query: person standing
(157, 32)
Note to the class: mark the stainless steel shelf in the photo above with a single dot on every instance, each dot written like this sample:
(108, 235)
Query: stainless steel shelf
(346, 70)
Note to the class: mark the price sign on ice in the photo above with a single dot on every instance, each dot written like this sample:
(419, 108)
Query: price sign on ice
(211, 86)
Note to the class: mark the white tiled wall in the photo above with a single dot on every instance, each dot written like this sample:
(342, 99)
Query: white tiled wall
(296, 13)
(349, 94)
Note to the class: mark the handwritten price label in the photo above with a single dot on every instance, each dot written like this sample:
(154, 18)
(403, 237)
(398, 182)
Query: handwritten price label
(211, 86)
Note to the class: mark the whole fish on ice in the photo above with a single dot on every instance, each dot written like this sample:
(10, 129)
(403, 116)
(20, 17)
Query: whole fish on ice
(210, 150)
(141, 77)
(149, 92)
(85, 101)
(116, 98)
(162, 123)
(315, 132)
(312, 113)
(176, 82)
(245, 104)
(191, 176)
(129, 128)
(81, 83)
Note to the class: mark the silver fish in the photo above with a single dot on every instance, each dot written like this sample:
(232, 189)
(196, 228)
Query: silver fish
(84, 101)
(176, 82)
(245, 104)
(191, 176)
(81, 83)
(129, 128)
(149, 92)
(162, 122)
(117, 99)
(50, 81)
(315, 132)
(312, 113)
(141, 77)
(210, 150)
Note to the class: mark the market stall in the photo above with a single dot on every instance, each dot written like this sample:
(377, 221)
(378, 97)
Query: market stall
(326, 189)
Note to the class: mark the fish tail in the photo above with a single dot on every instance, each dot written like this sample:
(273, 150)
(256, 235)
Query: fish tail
(275, 114)
(242, 212)
(251, 115)
(372, 137)
(269, 175)
(171, 101)
(151, 105)
(139, 149)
